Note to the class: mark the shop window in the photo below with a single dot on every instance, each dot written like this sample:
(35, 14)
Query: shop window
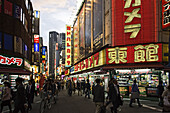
(7, 7)
(8, 42)
(0, 5)
(18, 44)
(0, 40)
(17, 12)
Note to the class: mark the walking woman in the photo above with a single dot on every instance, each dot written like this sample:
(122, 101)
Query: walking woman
(6, 97)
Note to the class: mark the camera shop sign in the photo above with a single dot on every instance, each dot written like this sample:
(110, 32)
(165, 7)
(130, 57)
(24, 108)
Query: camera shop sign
(165, 13)
(11, 61)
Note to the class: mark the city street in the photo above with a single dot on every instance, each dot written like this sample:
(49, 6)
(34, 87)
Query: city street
(80, 104)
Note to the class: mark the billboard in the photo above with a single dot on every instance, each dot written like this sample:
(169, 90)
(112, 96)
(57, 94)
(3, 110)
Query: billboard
(98, 24)
(43, 50)
(88, 27)
(134, 22)
(81, 33)
(17, 11)
(68, 46)
(7, 7)
(76, 41)
(165, 13)
(36, 47)
(36, 38)
(37, 14)
(135, 54)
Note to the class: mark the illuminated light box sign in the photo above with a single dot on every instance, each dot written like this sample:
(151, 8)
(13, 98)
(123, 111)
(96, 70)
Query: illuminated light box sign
(37, 14)
(134, 22)
(36, 47)
(36, 38)
(43, 50)
(68, 47)
(11, 61)
(165, 13)
(134, 54)
(27, 65)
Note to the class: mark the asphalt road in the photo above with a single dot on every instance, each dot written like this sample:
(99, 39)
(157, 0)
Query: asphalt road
(80, 104)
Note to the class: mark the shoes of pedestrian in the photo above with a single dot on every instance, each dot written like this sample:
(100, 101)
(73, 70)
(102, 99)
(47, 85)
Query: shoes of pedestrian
(130, 105)
(140, 105)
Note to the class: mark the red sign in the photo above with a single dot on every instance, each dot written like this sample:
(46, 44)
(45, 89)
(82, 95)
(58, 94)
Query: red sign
(36, 38)
(7, 7)
(134, 54)
(165, 13)
(9, 61)
(134, 21)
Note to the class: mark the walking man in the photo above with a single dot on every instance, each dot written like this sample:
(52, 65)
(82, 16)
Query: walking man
(87, 93)
(98, 93)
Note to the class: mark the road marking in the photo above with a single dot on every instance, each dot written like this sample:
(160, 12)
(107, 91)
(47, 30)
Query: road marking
(153, 108)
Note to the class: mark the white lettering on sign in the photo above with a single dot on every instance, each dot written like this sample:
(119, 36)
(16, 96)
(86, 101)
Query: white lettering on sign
(133, 28)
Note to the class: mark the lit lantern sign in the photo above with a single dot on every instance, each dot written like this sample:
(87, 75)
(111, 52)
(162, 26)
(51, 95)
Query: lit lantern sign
(36, 38)
(68, 46)
(134, 22)
(165, 13)
(11, 61)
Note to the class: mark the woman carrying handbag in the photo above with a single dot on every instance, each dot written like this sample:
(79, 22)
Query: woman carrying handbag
(135, 94)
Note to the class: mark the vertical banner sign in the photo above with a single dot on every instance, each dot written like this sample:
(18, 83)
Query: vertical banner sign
(36, 47)
(81, 35)
(88, 27)
(98, 24)
(17, 12)
(37, 14)
(43, 50)
(165, 13)
(36, 38)
(76, 41)
(134, 22)
(68, 46)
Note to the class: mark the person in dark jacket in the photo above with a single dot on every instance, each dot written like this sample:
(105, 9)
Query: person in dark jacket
(114, 95)
(29, 94)
(160, 91)
(20, 99)
(98, 93)
(87, 92)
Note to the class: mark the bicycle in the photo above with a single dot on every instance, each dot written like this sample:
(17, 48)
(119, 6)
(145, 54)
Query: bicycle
(45, 103)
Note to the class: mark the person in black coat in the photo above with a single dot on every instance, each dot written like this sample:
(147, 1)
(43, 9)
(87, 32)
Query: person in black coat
(87, 92)
(114, 95)
(29, 94)
(98, 93)
(20, 99)
(160, 91)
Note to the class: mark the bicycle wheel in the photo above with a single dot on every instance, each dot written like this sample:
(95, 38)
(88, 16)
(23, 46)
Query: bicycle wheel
(42, 106)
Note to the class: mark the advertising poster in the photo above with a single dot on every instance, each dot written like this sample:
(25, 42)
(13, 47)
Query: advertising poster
(76, 41)
(7, 7)
(17, 12)
(81, 33)
(124, 90)
(98, 24)
(0, 5)
(88, 27)
(18, 44)
(134, 22)
(56, 46)
(165, 13)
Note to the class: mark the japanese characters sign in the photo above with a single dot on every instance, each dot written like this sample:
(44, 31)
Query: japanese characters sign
(36, 38)
(11, 61)
(68, 46)
(165, 13)
(134, 22)
(134, 54)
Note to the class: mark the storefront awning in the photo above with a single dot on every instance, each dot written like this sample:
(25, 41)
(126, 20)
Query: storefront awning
(15, 71)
